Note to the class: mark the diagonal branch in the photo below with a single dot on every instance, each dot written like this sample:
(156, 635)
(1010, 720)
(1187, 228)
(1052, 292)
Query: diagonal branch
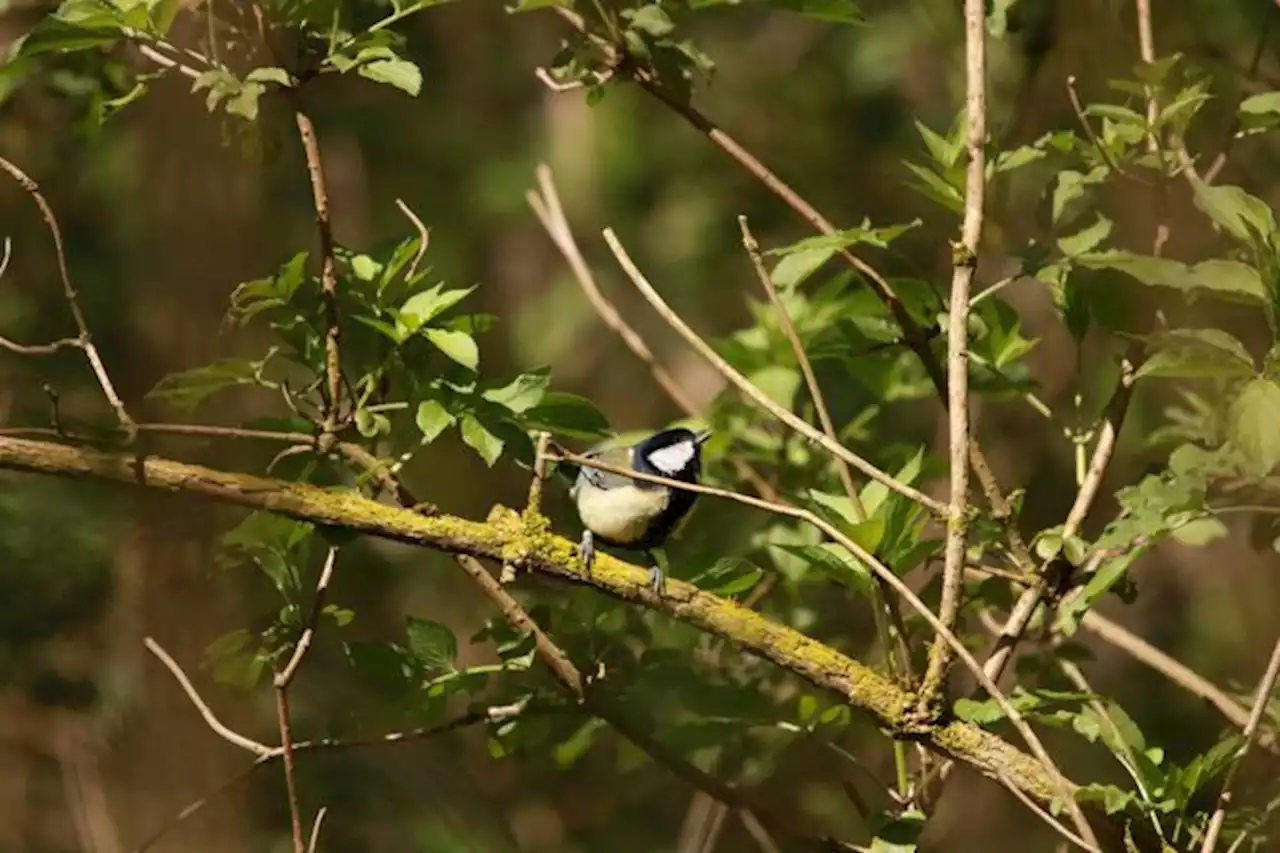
(1261, 701)
(755, 394)
(505, 533)
(84, 340)
(912, 335)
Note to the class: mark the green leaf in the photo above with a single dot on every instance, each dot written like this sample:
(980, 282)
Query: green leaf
(433, 419)
(1241, 215)
(729, 576)
(459, 346)
(1114, 800)
(567, 414)
(189, 388)
(1199, 532)
(778, 383)
(830, 11)
(432, 645)
(652, 20)
(798, 265)
(1197, 354)
(800, 260)
(1259, 112)
(1086, 240)
(1070, 190)
(934, 186)
(270, 74)
(944, 151)
(55, 35)
(369, 424)
(421, 308)
(479, 439)
(1254, 423)
(833, 560)
(522, 393)
(1230, 280)
(400, 73)
(900, 834)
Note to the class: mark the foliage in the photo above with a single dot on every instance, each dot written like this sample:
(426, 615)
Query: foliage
(412, 377)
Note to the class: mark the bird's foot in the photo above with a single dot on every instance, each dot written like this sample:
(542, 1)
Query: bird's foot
(656, 580)
(587, 550)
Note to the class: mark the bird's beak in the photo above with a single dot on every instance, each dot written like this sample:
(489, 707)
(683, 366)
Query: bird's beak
(700, 438)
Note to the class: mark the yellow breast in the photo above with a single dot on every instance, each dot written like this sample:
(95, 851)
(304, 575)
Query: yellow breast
(621, 515)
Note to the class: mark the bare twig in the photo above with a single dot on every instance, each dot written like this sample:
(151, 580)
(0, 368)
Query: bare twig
(802, 358)
(879, 569)
(1025, 607)
(755, 394)
(73, 301)
(546, 206)
(539, 479)
(314, 843)
(965, 261)
(8, 256)
(233, 737)
(471, 718)
(895, 628)
(1261, 700)
(328, 274)
(290, 775)
(285, 676)
(913, 335)
(424, 236)
(1172, 669)
(39, 349)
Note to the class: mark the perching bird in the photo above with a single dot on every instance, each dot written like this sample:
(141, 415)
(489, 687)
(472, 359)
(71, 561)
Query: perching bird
(631, 514)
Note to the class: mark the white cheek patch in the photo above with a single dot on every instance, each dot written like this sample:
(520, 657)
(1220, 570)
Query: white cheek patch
(673, 458)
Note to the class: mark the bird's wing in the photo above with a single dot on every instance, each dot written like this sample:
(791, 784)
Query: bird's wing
(618, 456)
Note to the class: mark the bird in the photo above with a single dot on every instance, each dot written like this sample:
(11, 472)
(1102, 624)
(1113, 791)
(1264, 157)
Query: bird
(631, 514)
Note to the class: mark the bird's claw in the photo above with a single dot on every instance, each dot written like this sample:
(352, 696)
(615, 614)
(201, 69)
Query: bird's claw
(656, 580)
(587, 550)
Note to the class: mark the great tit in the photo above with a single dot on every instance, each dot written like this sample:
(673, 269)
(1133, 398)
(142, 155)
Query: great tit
(632, 514)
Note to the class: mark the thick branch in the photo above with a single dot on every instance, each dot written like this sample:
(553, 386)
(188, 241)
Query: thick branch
(506, 537)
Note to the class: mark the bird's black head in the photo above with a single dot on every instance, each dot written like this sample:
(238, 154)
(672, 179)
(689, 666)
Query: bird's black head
(673, 453)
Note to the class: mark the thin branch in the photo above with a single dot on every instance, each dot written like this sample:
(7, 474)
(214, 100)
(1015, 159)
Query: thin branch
(913, 336)
(880, 570)
(314, 844)
(1025, 607)
(471, 718)
(1261, 700)
(550, 213)
(755, 394)
(285, 676)
(290, 776)
(233, 737)
(886, 602)
(328, 274)
(39, 349)
(806, 367)
(562, 667)
(965, 262)
(504, 531)
(424, 236)
(546, 206)
(8, 256)
(1172, 669)
(73, 301)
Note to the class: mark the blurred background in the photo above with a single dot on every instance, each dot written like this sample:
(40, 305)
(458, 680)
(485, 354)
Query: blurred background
(167, 208)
